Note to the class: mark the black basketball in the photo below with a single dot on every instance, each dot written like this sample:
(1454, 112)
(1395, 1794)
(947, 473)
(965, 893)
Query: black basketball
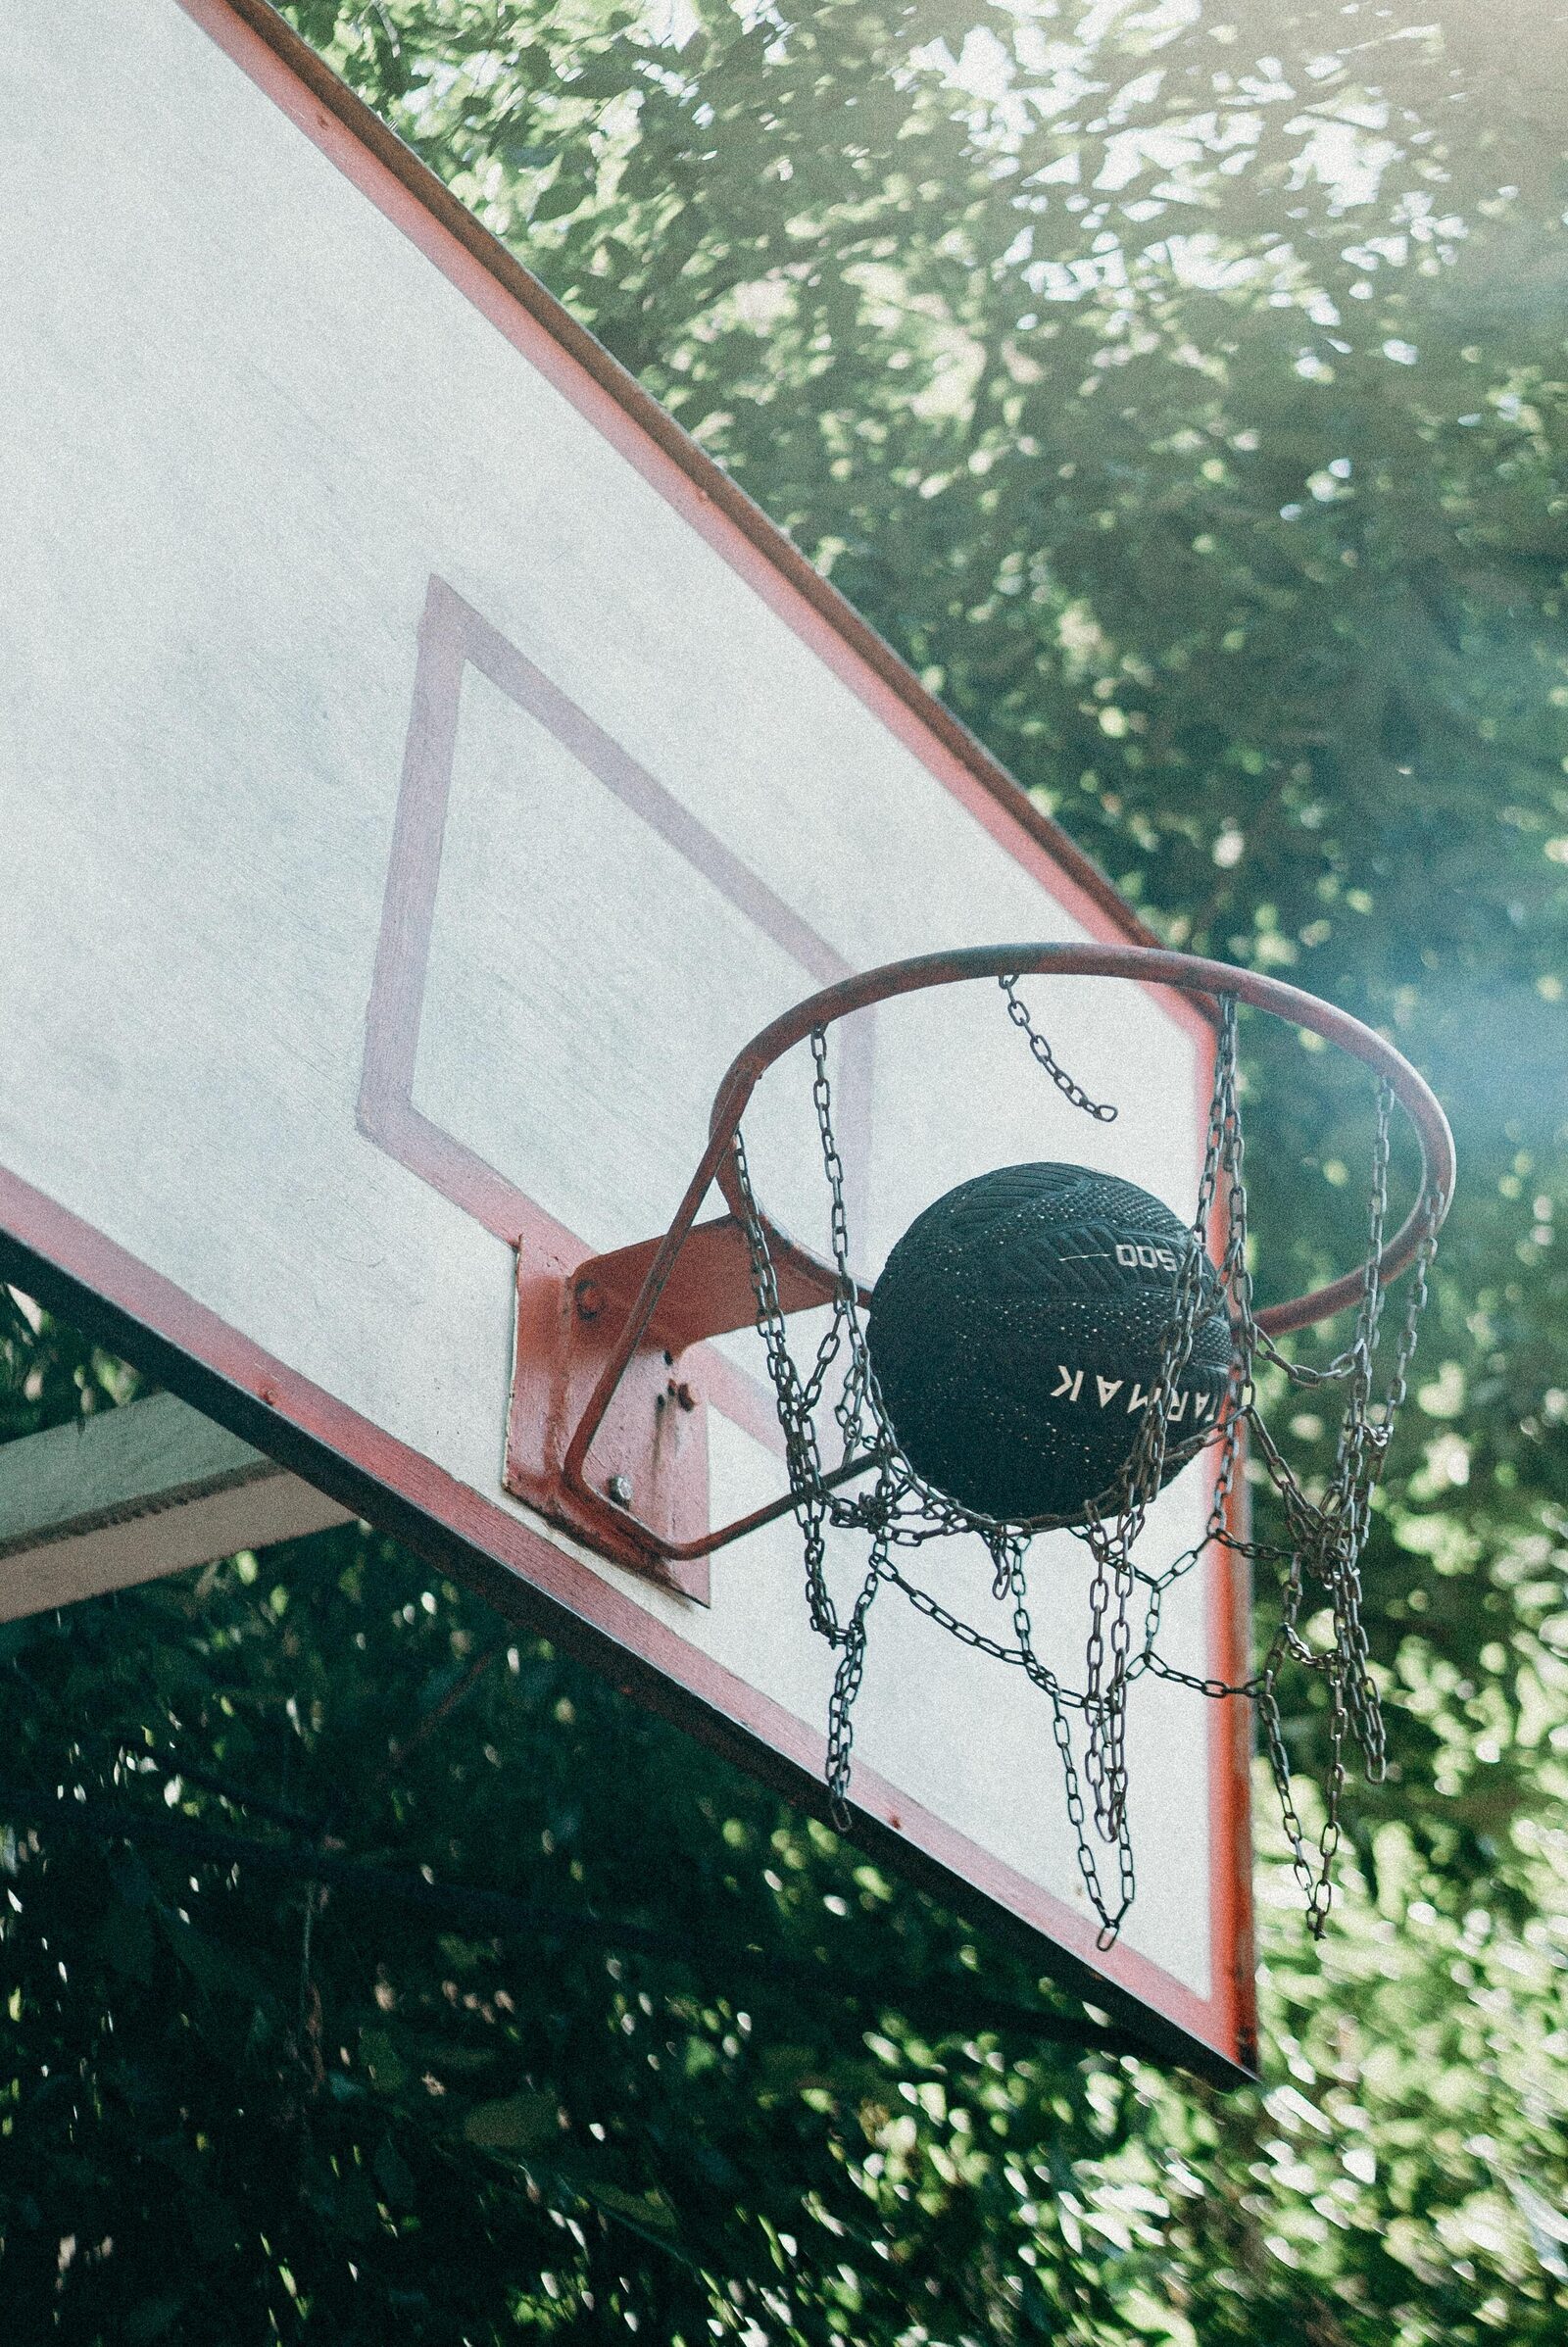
(1017, 1328)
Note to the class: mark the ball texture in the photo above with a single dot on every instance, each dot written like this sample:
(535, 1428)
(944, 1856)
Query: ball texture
(1015, 1331)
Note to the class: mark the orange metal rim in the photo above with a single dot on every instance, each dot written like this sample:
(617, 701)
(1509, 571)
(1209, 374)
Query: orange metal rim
(1187, 973)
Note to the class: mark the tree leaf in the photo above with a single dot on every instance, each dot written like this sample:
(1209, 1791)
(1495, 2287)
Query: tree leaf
(519, 2122)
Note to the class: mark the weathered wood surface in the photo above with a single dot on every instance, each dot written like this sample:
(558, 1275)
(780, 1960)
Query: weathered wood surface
(133, 1494)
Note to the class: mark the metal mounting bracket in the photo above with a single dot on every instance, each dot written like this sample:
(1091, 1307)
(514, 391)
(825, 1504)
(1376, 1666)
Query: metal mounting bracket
(596, 1349)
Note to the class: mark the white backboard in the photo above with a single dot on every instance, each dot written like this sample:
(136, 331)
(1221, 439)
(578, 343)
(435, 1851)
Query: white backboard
(420, 771)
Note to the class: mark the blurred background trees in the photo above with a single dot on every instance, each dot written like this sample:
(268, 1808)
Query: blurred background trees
(1181, 389)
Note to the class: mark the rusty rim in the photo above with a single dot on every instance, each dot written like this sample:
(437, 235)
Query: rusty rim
(1147, 965)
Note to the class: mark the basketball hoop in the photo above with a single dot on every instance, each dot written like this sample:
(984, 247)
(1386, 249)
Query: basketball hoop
(1192, 1386)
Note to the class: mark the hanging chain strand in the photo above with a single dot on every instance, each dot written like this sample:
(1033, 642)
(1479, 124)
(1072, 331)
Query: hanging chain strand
(1324, 1533)
(1074, 1093)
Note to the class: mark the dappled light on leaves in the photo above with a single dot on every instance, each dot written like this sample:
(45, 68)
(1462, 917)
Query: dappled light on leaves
(1181, 391)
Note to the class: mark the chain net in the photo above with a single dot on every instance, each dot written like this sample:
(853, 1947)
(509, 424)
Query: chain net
(831, 1402)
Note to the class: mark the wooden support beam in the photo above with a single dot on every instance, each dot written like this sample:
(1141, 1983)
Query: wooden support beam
(135, 1493)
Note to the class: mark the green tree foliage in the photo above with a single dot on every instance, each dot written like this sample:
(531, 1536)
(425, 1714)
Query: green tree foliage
(1181, 390)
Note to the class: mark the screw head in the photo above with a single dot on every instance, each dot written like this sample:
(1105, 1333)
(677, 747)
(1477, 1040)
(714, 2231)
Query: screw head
(619, 1490)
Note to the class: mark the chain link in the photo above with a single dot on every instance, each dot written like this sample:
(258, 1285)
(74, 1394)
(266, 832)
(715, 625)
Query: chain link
(1074, 1093)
